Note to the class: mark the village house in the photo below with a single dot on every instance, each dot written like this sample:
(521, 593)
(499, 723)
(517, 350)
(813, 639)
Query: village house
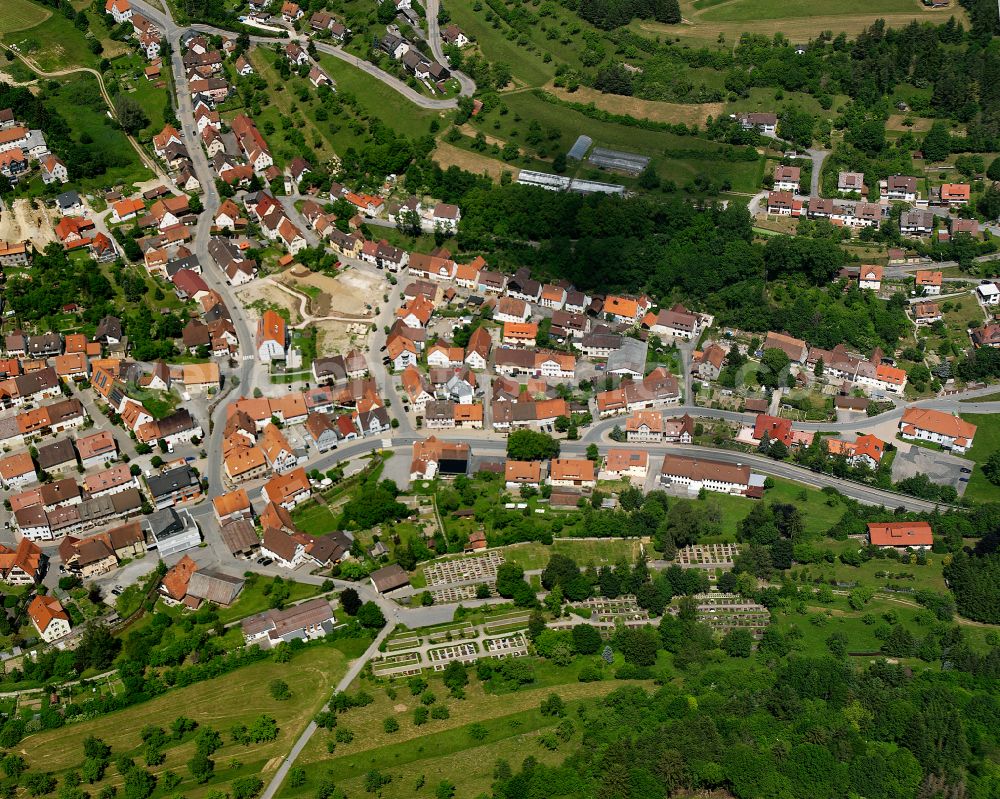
(676, 323)
(783, 203)
(271, 337)
(287, 490)
(433, 458)
(866, 449)
(786, 178)
(899, 188)
(628, 464)
(929, 282)
(916, 223)
(850, 182)
(954, 195)
(644, 427)
(572, 473)
(926, 313)
(765, 123)
(46, 612)
(709, 362)
(870, 277)
(900, 536)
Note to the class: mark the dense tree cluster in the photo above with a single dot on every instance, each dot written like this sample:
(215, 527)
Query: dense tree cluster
(373, 504)
(610, 14)
(808, 727)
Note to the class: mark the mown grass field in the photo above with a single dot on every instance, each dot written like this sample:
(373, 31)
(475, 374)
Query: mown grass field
(986, 442)
(236, 698)
(20, 14)
(253, 600)
(51, 41)
(748, 10)
(443, 749)
(799, 20)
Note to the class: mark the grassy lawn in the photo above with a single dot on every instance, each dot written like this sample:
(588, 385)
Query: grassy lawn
(253, 599)
(377, 100)
(128, 72)
(238, 697)
(314, 518)
(986, 442)
(20, 14)
(819, 511)
(603, 552)
(442, 748)
(894, 573)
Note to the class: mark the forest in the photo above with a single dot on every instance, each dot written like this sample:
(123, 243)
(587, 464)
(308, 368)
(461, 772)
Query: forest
(799, 727)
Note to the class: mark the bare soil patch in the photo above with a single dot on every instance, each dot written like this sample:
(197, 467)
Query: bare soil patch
(471, 132)
(259, 296)
(347, 294)
(449, 155)
(23, 220)
(920, 124)
(653, 110)
(333, 338)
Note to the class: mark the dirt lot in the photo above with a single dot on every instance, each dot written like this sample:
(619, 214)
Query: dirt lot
(687, 113)
(919, 125)
(471, 132)
(24, 221)
(335, 337)
(343, 295)
(259, 296)
(448, 154)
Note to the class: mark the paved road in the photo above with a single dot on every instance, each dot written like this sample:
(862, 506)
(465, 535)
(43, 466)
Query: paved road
(818, 157)
(468, 86)
(353, 671)
(245, 372)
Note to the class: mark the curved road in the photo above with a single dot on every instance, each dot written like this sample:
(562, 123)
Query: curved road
(412, 95)
(468, 86)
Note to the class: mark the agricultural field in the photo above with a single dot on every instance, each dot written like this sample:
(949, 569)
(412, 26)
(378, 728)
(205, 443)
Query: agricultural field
(221, 703)
(719, 23)
(19, 15)
(986, 442)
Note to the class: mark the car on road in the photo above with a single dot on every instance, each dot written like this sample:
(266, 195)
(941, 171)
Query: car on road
(266, 562)
(963, 470)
